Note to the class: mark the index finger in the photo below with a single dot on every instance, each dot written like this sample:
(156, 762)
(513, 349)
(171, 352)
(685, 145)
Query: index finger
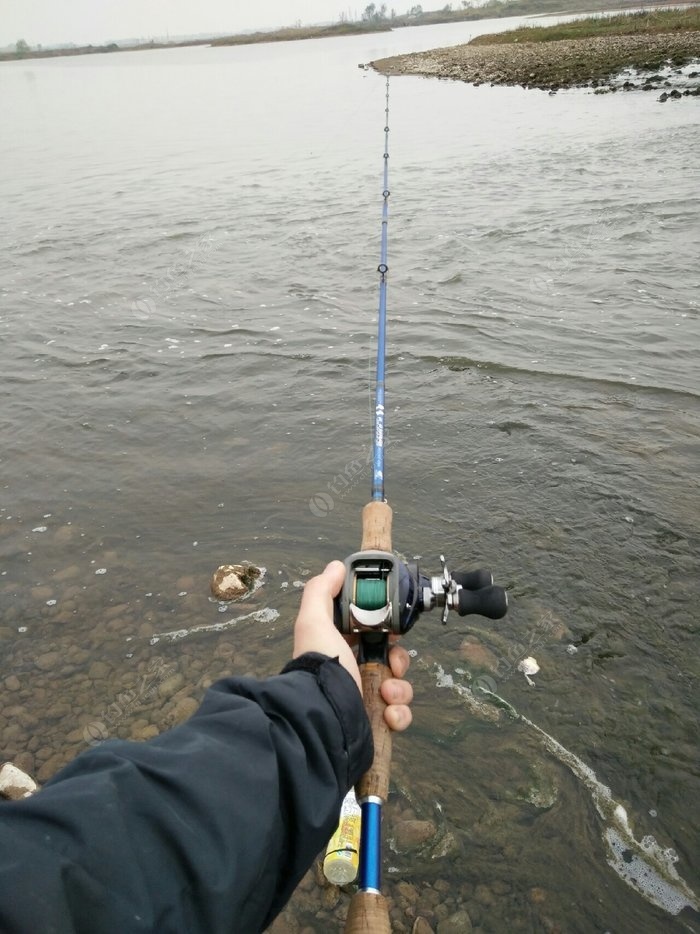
(399, 661)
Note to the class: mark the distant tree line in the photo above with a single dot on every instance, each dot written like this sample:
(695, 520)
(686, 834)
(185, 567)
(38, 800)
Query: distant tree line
(378, 17)
(22, 49)
(375, 14)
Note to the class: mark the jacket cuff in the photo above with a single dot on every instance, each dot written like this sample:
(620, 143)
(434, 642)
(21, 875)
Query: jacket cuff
(340, 690)
(309, 661)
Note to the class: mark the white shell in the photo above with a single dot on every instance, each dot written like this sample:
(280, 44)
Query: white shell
(529, 666)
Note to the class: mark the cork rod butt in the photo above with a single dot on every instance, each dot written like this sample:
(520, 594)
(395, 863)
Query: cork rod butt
(376, 780)
(368, 914)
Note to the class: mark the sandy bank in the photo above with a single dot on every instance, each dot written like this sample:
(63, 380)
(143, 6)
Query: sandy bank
(567, 63)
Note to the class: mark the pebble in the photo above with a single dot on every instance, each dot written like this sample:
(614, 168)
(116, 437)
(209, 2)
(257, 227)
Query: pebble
(64, 535)
(98, 671)
(457, 923)
(171, 685)
(77, 736)
(145, 732)
(43, 592)
(51, 766)
(47, 661)
(22, 716)
(24, 761)
(224, 650)
(484, 896)
(183, 710)
(11, 732)
(67, 573)
(500, 886)
(12, 683)
(407, 891)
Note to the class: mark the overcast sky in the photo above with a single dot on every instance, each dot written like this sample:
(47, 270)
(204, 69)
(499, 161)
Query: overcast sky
(94, 21)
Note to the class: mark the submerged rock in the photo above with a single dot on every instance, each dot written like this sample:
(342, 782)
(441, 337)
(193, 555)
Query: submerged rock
(412, 834)
(478, 655)
(541, 789)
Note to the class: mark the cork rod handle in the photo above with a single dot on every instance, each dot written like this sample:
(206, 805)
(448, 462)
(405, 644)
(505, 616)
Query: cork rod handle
(376, 527)
(368, 914)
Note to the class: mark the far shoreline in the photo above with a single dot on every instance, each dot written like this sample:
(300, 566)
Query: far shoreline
(280, 35)
(495, 9)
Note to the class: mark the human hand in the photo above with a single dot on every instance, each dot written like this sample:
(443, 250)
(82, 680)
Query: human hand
(315, 631)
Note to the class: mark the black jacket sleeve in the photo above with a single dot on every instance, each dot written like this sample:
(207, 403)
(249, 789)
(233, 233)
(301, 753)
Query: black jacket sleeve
(205, 829)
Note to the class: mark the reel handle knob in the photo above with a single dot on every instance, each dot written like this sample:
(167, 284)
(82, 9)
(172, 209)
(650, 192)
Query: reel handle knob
(473, 580)
(488, 601)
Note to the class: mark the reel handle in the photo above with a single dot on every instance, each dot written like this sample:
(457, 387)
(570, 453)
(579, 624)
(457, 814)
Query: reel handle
(491, 602)
(473, 580)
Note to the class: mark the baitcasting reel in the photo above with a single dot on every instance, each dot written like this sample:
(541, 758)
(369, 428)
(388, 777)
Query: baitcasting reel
(383, 594)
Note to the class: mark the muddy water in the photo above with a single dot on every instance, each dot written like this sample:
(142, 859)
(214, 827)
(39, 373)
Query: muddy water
(188, 295)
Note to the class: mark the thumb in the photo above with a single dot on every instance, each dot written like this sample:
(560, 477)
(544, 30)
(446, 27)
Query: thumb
(320, 591)
(333, 575)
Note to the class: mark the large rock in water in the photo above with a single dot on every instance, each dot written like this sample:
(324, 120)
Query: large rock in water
(14, 783)
(234, 580)
(410, 835)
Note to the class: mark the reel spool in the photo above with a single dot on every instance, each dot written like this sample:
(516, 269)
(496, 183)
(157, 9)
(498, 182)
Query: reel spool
(383, 594)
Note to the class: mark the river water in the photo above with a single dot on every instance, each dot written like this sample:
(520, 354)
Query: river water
(188, 302)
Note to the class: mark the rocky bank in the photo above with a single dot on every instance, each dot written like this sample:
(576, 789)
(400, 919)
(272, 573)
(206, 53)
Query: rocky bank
(651, 62)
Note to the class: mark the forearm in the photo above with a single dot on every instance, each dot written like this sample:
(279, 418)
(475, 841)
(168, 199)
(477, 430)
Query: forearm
(207, 828)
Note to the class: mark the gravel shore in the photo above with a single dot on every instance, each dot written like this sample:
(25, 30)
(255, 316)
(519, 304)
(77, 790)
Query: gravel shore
(657, 60)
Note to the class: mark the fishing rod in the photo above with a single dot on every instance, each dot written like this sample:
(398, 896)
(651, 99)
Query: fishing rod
(382, 596)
